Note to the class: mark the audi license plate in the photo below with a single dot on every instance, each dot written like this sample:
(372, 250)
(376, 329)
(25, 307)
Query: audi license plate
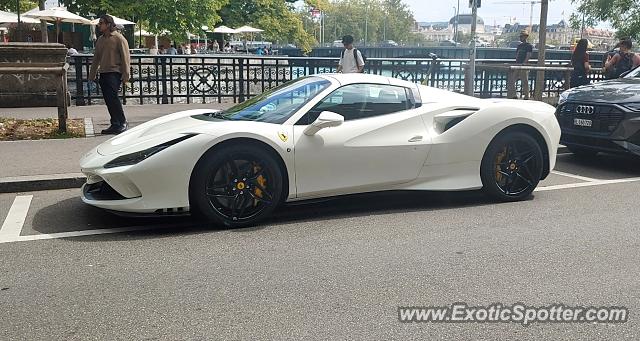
(582, 122)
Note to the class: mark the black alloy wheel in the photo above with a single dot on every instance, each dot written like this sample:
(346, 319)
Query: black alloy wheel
(512, 166)
(236, 186)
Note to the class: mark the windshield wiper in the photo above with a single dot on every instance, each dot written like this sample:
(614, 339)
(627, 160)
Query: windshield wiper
(217, 114)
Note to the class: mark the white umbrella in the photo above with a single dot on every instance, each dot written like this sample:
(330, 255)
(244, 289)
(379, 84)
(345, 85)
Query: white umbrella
(143, 33)
(224, 30)
(118, 21)
(58, 14)
(248, 29)
(8, 17)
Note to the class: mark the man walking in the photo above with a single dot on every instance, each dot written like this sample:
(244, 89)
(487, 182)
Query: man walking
(351, 60)
(523, 54)
(111, 58)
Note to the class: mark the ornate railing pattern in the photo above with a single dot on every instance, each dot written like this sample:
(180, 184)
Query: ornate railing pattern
(234, 78)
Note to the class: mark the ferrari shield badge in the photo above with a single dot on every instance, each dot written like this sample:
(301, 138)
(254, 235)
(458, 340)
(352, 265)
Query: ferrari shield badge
(283, 136)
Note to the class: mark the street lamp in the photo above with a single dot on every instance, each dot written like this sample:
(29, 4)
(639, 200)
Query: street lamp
(455, 38)
(455, 23)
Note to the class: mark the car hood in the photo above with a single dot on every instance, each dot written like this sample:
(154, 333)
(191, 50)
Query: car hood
(173, 126)
(622, 90)
(154, 132)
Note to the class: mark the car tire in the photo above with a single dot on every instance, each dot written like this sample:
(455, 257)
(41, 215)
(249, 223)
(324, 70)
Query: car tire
(512, 166)
(236, 186)
(583, 152)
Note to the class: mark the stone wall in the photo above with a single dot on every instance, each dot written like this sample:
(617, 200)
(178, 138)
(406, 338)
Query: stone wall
(22, 89)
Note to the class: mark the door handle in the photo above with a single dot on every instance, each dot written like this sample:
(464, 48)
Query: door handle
(416, 138)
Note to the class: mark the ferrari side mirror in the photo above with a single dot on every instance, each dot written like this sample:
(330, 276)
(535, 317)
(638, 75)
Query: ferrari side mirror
(325, 120)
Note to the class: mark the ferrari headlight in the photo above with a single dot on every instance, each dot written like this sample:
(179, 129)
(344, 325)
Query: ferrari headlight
(633, 106)
(134, 158)
(563, 98)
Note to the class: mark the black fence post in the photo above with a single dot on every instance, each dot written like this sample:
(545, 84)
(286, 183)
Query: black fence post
(241, 79)
(165, 97)
(78, 61)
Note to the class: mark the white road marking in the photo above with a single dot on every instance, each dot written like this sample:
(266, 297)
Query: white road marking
(94, 232)
(586, 184)
(579, 177)
(14, 221)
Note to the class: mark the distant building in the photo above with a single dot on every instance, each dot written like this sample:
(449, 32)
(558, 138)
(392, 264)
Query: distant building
(562, 34)
(439, 31)
(464, 23)
(603, 39)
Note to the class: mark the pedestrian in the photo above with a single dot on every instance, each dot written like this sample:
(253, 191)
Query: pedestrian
(172, 50)
(622, 61)
(351, 60)
(215, 46)
(70, 50)
(523, 54)
(111, 60)
(580, 62)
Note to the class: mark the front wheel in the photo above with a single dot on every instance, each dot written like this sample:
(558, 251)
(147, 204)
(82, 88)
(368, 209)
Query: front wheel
(512, 166)
(236, 186)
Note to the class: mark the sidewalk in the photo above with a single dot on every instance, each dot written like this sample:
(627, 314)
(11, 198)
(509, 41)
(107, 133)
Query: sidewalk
(51, 164)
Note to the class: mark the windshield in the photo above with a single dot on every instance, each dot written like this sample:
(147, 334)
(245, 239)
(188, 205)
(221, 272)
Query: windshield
(635, 73)
(275, 105)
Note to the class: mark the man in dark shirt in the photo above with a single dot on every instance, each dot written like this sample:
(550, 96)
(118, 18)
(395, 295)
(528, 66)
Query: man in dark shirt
(523, 53)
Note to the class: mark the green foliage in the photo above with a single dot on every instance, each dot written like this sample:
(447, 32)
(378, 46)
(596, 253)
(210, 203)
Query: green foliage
(369, 21)
(279, 22)
(10, 5)
(624, 15)
(178, 17)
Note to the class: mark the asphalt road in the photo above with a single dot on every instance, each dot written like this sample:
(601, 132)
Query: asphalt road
(332, 270)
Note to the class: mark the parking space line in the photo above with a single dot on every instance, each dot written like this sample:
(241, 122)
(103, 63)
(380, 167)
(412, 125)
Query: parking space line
(579, 177)
(12, 225)
(586, 184)
(94, 232)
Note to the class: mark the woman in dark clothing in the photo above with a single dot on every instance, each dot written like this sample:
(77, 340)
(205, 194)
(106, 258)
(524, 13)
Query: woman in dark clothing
(580, 62)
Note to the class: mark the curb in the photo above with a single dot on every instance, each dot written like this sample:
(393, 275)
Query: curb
(41, 182)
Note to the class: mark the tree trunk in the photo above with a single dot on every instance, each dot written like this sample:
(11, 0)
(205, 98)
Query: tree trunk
(542, 48)
(43, 24)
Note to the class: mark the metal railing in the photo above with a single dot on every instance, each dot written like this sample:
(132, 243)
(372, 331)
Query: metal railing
(167, 79)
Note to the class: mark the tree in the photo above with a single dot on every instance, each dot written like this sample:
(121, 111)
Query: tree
(10, 5)
(370, 20)
(177, 17)
(624, 15)
(275, 17)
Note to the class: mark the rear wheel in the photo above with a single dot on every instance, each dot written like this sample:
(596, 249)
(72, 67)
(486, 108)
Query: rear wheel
(583, 152)
(512, 166)
(236, 186)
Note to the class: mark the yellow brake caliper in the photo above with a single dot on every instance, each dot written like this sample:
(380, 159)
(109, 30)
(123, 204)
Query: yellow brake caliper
(499, 159)
(262, 181)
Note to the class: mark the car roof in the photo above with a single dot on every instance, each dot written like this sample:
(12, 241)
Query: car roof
(353, 78)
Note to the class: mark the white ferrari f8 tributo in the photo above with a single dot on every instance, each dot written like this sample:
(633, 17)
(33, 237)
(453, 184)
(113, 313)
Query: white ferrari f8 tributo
(321, 136)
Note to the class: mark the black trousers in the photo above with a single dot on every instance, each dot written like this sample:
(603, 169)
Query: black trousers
(578, 78)
(110, 84)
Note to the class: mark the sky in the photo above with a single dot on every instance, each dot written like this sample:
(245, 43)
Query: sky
(492, 11)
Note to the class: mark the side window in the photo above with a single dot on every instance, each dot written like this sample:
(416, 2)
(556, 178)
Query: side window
(357, 101)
